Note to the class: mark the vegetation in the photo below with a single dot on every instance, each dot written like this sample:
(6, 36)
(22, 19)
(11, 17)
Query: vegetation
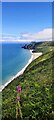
(40, 46)
(37, 97)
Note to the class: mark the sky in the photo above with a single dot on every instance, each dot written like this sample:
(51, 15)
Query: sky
(0, 18)
(25, 20)
(27, 0)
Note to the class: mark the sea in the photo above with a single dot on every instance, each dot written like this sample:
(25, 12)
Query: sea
(12, 59)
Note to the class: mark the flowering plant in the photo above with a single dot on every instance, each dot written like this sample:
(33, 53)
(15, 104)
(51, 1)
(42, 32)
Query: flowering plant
(18, 88)
(18, 107)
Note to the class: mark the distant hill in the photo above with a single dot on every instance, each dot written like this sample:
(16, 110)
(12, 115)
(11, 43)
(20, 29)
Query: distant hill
(37, 98)
(39, 46)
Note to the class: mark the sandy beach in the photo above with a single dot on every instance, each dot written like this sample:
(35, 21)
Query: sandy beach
(33, 57)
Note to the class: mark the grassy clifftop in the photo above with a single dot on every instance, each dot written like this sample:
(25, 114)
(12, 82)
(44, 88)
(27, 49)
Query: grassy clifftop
(40, 46)
(37, 89)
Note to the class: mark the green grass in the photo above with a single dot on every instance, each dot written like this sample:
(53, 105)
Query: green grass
(37, 90)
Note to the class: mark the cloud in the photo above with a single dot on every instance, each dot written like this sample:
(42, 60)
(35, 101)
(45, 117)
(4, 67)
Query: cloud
(8, 38)
(44, 35)
(25, 0)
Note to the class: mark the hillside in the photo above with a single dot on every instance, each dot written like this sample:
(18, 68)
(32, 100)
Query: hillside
(37, 101)
(39, 46)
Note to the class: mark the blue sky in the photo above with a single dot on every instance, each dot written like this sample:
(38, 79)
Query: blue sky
(21, 17)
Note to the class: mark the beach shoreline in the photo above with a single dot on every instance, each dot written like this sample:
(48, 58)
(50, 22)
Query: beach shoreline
(33, 57)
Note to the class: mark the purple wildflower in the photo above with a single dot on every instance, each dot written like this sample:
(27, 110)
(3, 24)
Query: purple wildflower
(18, 88)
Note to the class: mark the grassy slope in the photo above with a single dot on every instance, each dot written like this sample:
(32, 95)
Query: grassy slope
(36, 82)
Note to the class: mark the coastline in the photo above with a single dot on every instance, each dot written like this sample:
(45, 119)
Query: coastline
(33, 57)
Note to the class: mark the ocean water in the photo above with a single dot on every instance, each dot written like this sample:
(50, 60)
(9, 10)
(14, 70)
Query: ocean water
(14, 58)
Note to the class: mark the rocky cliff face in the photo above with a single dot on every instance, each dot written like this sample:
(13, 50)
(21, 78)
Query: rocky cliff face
(32, 45)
